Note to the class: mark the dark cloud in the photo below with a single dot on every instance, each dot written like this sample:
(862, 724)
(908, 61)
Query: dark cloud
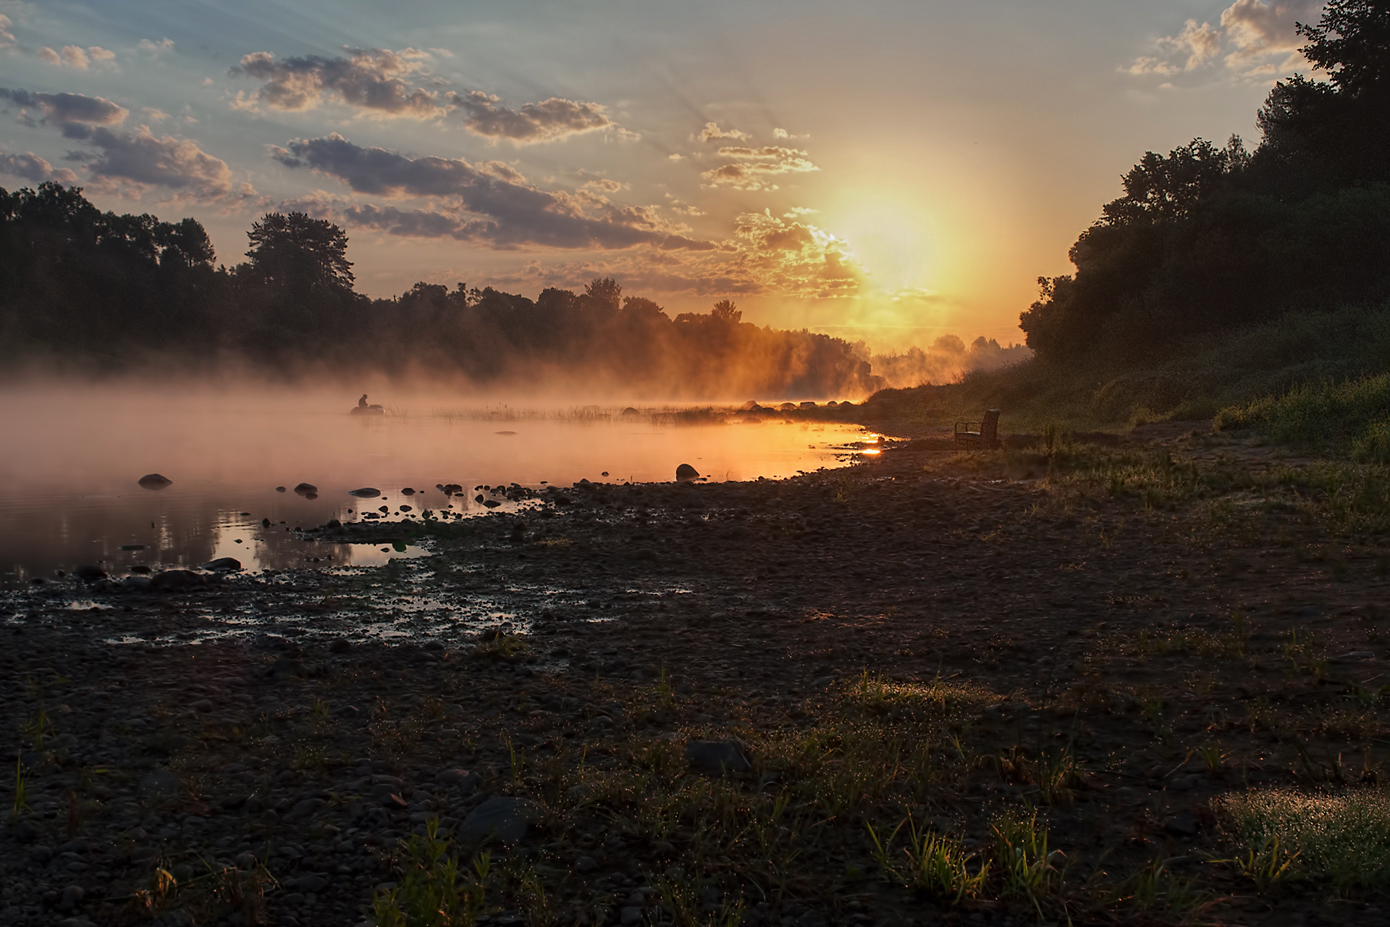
(35, 169)
(545, 121)
(66, 109)
(485, 201)
(369, 80)
(142, 159)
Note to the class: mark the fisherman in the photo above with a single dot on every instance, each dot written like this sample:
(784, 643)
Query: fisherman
(362, 403)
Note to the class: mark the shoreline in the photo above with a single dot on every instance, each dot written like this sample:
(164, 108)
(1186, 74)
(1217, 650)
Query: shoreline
(919, 636)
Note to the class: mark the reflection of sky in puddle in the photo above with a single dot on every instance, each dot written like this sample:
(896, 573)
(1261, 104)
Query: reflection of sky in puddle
(408, 608)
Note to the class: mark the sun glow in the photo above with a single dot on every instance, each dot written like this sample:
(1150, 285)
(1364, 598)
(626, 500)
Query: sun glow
(893, 240)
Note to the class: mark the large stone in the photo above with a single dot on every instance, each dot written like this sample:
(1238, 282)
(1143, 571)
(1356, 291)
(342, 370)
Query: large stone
(154, 481)
(464, 781)
(223, 565)
(366, 492)
(686, 472)
(717, 756)
(176, 580)
(89, 574)
(502, 819)
(305, 489)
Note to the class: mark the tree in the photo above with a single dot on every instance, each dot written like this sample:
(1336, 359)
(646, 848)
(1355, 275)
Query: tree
(604, 293)
(1162, 188)
(726, 312)
(1352, 44)
(298, 252)
(185, 244)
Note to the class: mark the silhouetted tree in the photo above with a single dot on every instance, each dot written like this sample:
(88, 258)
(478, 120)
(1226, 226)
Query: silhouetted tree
(725, 312)
(604, 293)
(297, 251)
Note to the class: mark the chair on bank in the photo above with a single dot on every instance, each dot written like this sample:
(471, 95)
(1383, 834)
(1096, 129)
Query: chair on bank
(979, 434)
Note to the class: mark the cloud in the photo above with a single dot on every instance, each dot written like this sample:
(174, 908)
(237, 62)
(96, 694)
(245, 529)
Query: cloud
(6, 36)
(69, 109)
(548, 120)
(712, 132)
(752, 168)
(1253, 33)
(136, 161)
(1257, 29)
(765, 254)
(487, 202)
(35, 169)
(151, 47)
(74, 57)
(370, 81)
(606, 185)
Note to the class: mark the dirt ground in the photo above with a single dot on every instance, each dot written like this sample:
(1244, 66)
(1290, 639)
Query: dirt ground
(1098, 644)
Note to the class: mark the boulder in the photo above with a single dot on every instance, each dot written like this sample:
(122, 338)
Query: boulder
(717, 756)
(223, 565)
(304, 489)
(89, 574)
(366, 492)
(175, 580)
(154, 481)
(502, 819)
(461, 779)
(686, 472)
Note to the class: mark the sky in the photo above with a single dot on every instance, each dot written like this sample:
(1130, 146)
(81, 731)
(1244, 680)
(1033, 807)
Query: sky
(888, 170)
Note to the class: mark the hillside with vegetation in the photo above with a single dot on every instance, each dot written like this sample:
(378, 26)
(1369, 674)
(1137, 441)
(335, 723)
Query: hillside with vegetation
(1224, 275)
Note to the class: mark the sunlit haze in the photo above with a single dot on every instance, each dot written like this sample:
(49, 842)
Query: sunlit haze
(888, 171)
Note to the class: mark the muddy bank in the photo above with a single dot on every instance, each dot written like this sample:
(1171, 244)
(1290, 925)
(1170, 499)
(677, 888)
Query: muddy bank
(955, 641)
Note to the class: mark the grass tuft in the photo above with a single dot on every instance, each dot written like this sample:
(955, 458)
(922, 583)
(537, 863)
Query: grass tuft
(1285, 834)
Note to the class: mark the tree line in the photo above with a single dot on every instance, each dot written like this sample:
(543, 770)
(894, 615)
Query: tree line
(89, 289)
(1209, 238)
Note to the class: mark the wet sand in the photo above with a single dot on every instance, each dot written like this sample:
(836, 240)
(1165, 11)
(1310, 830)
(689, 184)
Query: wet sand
(1107, 662)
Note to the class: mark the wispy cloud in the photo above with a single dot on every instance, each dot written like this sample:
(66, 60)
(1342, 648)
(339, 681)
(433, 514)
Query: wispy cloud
(73, 56)
(712, 132)
(755, 168)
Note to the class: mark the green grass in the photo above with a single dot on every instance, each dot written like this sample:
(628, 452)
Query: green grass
(433, 890)
(1352, 416)
(1192, 379)
(1283, 835)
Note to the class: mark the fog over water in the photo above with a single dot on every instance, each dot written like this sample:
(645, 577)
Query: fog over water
(73, 455)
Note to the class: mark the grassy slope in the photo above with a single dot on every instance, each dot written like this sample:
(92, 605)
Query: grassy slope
(1196, 379)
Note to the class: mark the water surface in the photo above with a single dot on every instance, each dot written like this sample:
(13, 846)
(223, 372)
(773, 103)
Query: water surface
(69, 492)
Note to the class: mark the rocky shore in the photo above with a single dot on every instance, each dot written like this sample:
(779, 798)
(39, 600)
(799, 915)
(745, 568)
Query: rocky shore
(688, 703)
